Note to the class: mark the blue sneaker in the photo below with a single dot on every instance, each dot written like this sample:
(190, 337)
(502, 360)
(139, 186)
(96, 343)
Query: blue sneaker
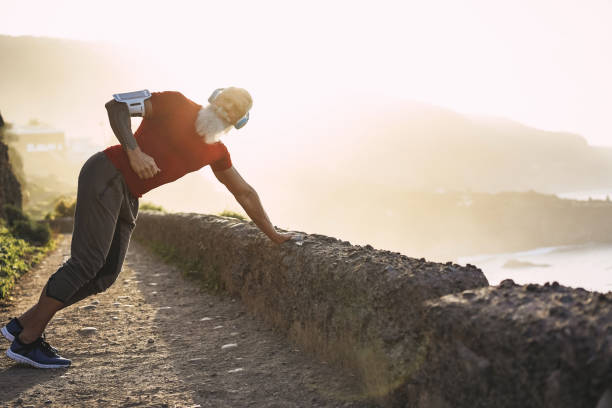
(12, 329)
(38, 354)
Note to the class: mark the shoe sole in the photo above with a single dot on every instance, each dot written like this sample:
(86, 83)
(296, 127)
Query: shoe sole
(6, 334)
(22, 359)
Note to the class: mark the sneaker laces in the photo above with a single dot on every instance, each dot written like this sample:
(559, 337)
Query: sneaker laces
(46, 346)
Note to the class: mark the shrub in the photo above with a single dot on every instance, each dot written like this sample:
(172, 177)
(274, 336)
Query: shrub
(37, 233)
(16, 258)
(232, 214)
(151, 207)
(65, 207)
(13, 214)
(21, 226)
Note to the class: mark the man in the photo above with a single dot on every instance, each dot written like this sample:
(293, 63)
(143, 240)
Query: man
(176, 136)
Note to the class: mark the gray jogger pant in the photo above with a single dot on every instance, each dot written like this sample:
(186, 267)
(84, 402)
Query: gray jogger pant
(104, 219)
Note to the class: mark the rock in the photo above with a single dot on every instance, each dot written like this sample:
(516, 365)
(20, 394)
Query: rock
(88, 330)
(164, 308)
(116, 304)
(10, 189)
(468, 295)
(542, 345)
(195, 360)
(88, 307)
(123, 298)
(236, 370)
(229, 346)
(217, 327)
(507, 284)
(151, 341)
(115, 318)
(95, 302)
(205, 319)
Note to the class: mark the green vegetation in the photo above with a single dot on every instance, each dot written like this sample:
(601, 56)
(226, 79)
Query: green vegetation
(204, 273)
(232, 214)
(147, 206)
(64, 207)
(42, 195)
(17, 256)
(21, 226)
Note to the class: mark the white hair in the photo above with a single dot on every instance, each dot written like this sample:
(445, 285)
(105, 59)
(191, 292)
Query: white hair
(210, 126)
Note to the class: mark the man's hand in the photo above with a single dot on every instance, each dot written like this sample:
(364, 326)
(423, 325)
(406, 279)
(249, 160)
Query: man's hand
(279, 238)
(142, 164)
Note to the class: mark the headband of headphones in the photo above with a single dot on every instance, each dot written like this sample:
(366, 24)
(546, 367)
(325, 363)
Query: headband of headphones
(242, 121)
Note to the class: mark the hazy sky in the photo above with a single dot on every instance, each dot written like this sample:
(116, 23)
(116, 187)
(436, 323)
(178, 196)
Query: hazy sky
(546, 63)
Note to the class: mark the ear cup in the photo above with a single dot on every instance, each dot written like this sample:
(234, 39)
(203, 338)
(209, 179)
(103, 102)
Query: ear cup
(243, 121)
(232, 105)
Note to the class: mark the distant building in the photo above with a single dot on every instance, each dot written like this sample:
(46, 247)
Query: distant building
(42, 149)
(35, 139)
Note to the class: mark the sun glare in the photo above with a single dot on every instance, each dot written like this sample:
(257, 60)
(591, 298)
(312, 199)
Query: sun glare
(544, 63)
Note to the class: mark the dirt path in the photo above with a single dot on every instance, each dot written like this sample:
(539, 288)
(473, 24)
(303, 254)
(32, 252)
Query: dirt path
(160, 343)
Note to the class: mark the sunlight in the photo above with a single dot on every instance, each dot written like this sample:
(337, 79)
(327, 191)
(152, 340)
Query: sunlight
(541, 62)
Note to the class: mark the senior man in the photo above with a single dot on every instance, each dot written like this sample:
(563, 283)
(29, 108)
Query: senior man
(176, 136)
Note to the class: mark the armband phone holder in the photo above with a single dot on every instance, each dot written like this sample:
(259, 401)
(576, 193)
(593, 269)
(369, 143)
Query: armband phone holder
(134, 101)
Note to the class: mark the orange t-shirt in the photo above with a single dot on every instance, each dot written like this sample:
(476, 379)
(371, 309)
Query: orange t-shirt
(170, 138)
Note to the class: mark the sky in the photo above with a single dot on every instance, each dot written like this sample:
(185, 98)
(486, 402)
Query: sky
(545, 63)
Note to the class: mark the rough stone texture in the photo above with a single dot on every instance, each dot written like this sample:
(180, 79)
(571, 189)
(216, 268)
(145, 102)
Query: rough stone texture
(515, 346)
(10, 189)
(356, 306)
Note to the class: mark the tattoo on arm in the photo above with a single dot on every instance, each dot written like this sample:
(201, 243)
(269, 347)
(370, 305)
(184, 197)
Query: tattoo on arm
(119, 117)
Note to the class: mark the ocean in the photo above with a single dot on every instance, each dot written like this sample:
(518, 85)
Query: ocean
(587, 266)
(583, 195)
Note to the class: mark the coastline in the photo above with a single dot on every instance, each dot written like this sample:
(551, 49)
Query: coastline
(587, 266)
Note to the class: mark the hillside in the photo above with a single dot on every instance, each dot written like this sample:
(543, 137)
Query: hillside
(370, 139)
(421, 147)
(325, 166)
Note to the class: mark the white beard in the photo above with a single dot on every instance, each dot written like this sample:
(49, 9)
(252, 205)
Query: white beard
(209, 126)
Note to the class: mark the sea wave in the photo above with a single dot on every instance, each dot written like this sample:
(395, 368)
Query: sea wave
(587, 266)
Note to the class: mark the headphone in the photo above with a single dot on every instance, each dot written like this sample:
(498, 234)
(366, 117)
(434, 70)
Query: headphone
(242, 121)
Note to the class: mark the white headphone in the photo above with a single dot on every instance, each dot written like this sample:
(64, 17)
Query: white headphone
(242, 121)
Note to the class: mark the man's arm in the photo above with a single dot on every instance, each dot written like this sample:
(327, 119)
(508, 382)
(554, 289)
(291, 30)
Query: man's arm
(119, 117)
(248, 198)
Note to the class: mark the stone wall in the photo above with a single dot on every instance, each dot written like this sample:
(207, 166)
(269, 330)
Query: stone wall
(417, 333)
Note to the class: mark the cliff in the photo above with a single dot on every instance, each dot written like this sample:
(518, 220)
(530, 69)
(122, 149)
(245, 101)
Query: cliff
(10, 189)
(417, 333)
(450, 225)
